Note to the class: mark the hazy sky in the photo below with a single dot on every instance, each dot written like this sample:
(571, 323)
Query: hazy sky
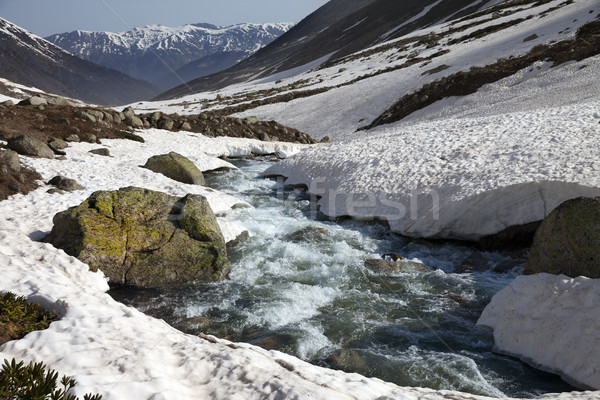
(45, 17)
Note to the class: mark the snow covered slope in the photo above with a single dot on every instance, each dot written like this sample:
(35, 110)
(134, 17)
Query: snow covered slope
(338, 28)
(30, 60)
(155, 52)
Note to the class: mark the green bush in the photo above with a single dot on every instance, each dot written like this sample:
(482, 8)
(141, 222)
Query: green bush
(32, 382)
(18, 317)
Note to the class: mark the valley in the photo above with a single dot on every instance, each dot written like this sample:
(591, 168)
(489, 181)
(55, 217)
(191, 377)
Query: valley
(381, 177)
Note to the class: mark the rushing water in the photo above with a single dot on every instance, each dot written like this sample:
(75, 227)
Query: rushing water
(300, 285)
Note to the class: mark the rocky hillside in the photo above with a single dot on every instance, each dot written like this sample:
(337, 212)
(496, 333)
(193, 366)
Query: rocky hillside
(337, 29)
(30, 60)
(158, 53)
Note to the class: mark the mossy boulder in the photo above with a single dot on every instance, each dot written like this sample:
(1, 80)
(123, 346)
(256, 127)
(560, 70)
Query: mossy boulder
(143, 238)
(568, 240)
(176, 167)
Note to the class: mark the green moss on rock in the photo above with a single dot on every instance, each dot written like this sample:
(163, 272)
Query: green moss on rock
(568, 240)
(144, 238)
(176, 167)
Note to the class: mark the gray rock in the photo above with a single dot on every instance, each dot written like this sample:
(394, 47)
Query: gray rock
(58, 144)
(166, 123)
(85, 116)
(99, 115)
(59, 101)
(568, 240)
(176, 167)
(101, 152)
(128, 112)
(381, 266)
(325, 140)
(155, 117)
(107, 117)
(186, 126)
(64, 183)
(264, 137)
(307, 234)
(117, 117)
(142, 238)
(11, 160)
(134, 122)
(29, 146)
(8, 103)
(72, 138)
(251, 120)
(34, 101)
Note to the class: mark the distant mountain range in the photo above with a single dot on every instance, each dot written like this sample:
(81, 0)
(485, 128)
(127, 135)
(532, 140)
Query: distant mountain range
(337, 29)
(167, 57)
(30, 60)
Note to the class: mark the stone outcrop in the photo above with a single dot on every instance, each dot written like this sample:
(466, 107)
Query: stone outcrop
(568, 240)
(29, 146)
(143, 238)
(176, 167)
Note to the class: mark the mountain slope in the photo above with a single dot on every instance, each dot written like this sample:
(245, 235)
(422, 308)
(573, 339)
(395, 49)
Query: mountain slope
(155, 51)
(354, 29)
(30, 60)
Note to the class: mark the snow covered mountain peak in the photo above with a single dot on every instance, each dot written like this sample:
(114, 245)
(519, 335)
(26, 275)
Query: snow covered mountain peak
(154, 52)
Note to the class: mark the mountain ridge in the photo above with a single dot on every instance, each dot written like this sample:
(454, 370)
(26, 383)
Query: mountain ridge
(33, 61)
(154, 52)
(353, 29)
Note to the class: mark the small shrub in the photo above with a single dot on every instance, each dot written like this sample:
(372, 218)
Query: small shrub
(18, 317)
(32, 382)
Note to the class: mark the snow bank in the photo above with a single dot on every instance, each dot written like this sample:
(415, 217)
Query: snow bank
(551, 322)
(119, 352)
(457, 178)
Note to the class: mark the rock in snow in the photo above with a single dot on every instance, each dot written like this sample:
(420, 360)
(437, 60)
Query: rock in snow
(551, 322)
(144, 238)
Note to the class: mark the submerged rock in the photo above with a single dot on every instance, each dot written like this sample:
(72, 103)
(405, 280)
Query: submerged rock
(568, 240)
(307, 234)
(176, 167)
(381, 266)
(143, 238)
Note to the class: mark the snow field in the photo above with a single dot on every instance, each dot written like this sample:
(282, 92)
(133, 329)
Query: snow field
(117, 351)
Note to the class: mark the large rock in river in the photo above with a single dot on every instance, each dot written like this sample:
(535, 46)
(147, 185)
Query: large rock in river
(176, 167)
(568, 240)
(143, 238)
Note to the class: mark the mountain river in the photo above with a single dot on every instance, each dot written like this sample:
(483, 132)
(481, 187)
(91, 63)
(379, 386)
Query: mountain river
(300, 285)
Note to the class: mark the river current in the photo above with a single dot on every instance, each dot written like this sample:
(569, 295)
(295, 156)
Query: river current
(300, 285)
